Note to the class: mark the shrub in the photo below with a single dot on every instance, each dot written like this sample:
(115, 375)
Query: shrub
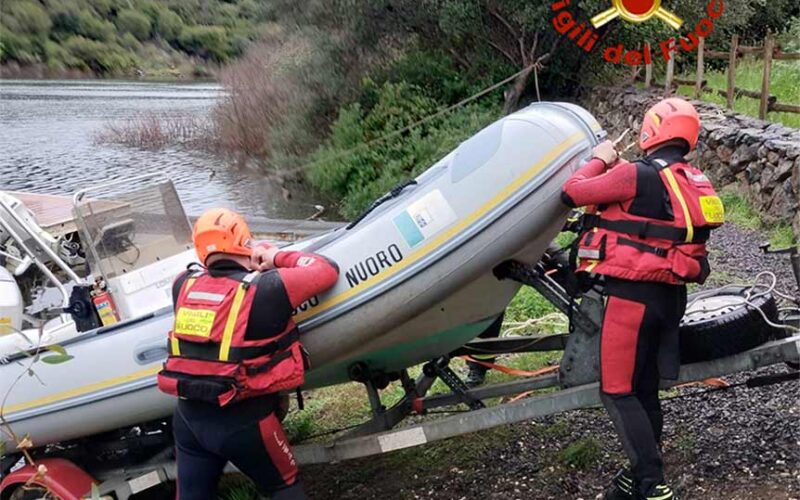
(133, 22)
(90, 26)
(58, 58)
(130, 42)
(208, 42)
(99, 57)
(14, 47)
(168, 25)
(26, 17)
(261, 93)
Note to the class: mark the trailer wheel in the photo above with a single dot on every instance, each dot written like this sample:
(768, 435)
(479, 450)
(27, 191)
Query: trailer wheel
(722, 324)
(30, 493)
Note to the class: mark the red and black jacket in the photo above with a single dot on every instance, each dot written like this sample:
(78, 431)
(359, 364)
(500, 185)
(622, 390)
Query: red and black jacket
(648, 220)
(234, 337)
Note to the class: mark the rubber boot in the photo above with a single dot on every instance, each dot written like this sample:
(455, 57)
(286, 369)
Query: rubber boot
(476, 376)
(621, 486)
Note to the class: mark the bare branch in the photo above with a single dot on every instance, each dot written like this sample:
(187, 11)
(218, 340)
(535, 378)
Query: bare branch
(502, 51)
(514, 33)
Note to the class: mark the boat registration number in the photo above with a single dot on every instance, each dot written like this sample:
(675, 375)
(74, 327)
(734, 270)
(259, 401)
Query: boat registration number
(196, 322)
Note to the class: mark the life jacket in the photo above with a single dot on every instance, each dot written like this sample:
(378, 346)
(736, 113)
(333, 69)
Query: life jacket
(661, 234)
(211, 360)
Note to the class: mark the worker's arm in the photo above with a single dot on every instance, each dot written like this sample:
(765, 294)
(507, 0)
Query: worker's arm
(305, 274)
(594, 184)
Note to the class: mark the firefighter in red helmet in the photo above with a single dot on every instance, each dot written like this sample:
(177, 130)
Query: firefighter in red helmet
(233, 348)
(644, 235)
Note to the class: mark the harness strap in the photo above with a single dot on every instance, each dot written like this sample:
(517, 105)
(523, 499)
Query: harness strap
(646, 229)
(210, 352)
(643, 247)
(269, 364)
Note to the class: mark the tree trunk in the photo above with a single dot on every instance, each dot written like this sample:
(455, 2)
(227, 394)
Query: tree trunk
(515, 91)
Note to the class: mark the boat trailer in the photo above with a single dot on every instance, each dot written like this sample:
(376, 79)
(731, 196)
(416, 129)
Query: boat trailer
(576, 377)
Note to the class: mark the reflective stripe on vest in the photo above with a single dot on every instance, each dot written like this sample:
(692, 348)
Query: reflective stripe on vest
(233, 316)
(678, 194)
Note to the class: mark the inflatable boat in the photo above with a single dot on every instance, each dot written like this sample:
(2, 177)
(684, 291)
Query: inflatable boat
(416, 277)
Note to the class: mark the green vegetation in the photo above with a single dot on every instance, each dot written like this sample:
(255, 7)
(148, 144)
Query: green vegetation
(783, 85)
(582, 454)
(154, 38)
(741, 212)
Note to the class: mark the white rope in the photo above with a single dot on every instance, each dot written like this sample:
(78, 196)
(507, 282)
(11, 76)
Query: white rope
(750, 296)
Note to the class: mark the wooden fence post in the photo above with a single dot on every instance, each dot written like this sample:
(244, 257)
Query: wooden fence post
(670, 69)
(701, 68)
(769, 45)
(648, 68)
(732, 70)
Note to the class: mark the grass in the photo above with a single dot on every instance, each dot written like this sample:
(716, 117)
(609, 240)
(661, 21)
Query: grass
(783, 84)
(582, 453)
(741, 212)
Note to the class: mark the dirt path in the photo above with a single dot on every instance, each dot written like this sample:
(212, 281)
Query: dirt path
(735, 444)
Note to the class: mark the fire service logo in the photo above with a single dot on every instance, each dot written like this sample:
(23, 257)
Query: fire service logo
(637, 11)
(586, 37)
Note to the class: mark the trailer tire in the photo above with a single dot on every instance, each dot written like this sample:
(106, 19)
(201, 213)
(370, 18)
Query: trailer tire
(727, 326)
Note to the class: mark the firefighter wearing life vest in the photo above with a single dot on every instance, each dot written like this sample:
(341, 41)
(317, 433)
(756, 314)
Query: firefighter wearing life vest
(644, 235)
(233, 349)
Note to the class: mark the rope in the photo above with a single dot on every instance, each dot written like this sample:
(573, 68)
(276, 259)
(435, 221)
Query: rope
(750, 296)
(512, 371)
(419, 122)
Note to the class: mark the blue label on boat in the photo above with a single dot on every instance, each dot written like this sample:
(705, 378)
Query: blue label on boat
(409, 229)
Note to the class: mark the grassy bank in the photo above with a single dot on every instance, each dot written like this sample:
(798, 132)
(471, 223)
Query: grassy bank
(739, 211)
(783, 84)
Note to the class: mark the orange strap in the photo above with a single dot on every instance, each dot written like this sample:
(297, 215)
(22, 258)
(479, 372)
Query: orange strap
(512, 371)
(712, 382)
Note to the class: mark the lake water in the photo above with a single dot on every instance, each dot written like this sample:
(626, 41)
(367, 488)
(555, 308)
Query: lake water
(47, 145)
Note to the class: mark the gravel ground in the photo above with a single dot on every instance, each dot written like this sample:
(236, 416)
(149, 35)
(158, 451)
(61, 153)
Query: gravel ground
(735, 444)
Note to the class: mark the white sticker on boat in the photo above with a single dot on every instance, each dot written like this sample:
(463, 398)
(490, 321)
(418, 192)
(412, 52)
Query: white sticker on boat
(402, 439)
(424, 218)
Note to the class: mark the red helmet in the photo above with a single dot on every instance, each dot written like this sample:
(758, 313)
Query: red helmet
(220, 230)
(672, 118)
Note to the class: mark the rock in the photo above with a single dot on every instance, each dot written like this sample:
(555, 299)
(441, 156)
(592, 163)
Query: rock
(784, 170)
(743, 155)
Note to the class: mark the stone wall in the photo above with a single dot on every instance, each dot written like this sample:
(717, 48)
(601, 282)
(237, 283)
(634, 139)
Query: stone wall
(760, 159)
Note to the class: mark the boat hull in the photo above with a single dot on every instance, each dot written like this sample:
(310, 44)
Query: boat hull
(416, 280)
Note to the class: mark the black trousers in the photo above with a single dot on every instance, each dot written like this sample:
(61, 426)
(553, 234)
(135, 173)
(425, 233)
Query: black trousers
(492, 332)
(248, 434)
(638, 347)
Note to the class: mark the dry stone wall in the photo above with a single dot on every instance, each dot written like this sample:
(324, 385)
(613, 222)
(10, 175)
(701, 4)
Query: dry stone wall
(759, 159)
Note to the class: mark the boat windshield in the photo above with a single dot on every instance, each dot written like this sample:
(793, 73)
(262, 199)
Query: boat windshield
(125, 228)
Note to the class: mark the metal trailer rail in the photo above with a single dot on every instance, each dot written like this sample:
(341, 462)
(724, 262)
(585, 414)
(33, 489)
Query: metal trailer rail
(124, 482)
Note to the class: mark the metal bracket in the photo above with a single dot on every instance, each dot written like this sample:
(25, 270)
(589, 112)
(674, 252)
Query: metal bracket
(441, 368)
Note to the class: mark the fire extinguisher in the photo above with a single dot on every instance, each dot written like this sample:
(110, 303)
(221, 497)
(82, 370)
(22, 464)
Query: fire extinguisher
(104, 303)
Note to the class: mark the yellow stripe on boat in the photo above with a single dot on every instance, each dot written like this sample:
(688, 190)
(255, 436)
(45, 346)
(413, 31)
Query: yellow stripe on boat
(80, 391)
